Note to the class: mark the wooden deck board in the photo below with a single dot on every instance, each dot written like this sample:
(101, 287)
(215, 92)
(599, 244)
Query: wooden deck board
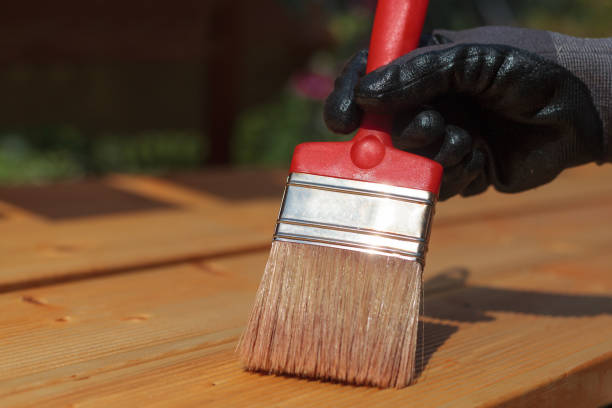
(166, 336)
(198, 223)
(144, 308)
(193, 225)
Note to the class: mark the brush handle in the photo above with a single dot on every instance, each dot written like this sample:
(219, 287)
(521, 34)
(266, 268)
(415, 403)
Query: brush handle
(396, 31)
(370, 156)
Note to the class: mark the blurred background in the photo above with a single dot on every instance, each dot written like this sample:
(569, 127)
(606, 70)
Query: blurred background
(102, 86)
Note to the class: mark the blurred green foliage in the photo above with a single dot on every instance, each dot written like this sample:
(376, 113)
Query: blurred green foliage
(266, 135)
(581, 18)
(59, 152)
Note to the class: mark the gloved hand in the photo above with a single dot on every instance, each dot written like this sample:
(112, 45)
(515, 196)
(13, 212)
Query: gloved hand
(493, 105)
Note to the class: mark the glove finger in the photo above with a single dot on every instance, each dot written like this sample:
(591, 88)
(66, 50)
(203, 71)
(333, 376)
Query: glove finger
(486, 72)
(424, 129)
(457, 178)
(477, 186)
(481, 182)
(341, 113)
(456, 146)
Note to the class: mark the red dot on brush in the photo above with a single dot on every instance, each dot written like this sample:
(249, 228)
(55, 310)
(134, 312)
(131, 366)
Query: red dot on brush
(367, 152)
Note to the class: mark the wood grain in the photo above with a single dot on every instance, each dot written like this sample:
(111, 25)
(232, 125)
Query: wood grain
(200, 223)
(166, 337)
(192, 225)
(144, 308)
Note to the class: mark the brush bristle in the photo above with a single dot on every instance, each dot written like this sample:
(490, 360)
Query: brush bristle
(335, 314)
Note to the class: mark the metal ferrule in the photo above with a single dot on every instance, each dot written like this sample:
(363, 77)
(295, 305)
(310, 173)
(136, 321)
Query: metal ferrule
(356, 215)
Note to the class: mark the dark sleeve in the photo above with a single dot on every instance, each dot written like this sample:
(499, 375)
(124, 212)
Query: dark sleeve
(590, 59)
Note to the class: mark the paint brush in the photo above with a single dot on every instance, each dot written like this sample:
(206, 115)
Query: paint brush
(340, 296)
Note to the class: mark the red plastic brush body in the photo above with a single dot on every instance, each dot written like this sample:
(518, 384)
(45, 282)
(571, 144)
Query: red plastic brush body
(370, 155)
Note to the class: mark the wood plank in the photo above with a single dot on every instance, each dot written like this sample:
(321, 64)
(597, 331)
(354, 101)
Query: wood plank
(166, 337)
(76, 250)
(574, 187)
(43, 248)
(506, 297)
(203, 219)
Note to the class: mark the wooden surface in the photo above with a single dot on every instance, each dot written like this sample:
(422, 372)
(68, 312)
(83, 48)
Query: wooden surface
(132, 291)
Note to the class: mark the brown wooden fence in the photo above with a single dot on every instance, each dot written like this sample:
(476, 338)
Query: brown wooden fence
(130, 65)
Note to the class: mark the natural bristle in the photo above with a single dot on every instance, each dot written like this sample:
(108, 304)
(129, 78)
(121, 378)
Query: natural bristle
(335, 314)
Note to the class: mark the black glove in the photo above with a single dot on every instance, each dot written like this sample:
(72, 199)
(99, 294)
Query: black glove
(491, 105)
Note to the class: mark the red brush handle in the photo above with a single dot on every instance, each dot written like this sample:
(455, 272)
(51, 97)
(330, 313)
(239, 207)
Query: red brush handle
(396, 31)
(370, 156)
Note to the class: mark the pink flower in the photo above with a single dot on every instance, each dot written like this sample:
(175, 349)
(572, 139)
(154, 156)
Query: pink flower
(311, 85)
